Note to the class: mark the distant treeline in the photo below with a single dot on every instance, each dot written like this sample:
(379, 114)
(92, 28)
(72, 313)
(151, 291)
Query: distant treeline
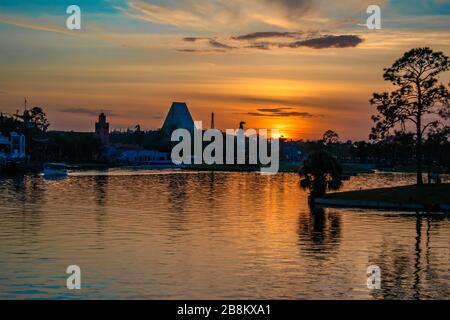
(396, 150)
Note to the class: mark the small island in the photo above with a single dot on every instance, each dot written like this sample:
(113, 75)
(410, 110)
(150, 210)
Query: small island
(431, 198)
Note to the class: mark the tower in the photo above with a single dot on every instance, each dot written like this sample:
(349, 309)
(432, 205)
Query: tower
(102, 129)
(212, 120)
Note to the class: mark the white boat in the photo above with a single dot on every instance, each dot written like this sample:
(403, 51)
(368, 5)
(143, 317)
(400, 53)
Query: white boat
(55, 169)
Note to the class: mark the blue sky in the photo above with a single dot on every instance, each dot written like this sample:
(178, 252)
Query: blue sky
(56, 7)
(420, 7)
(210, 17)
(119, 8)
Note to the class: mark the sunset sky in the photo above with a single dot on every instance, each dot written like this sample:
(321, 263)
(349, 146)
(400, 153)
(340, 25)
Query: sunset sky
(300, 66)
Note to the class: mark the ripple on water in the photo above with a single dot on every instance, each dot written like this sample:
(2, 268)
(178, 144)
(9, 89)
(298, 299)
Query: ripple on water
(174, 234)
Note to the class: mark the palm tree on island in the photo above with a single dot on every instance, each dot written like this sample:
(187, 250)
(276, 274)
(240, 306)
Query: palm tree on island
(320, 172)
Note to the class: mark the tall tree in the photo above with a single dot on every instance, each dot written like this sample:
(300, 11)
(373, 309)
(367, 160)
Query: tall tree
(39, 119)
(417, 95)
(330, 137)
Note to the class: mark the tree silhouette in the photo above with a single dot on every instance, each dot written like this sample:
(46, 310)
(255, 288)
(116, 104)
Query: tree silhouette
(437, 147)
(320, 172)
(39, 119)
(418, 94)
(330, 137)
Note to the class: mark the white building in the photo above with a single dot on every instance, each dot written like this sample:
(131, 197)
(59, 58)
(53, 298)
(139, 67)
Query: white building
(17, 149)
(4, 146)
(14, 147)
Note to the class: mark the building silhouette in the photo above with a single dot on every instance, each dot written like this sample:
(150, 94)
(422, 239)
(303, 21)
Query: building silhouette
(102, 129)
(178, 117)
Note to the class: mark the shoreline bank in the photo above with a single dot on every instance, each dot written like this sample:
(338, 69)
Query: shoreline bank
(430, 198)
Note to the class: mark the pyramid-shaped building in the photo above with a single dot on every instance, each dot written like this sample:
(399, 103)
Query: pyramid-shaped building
(178, 117)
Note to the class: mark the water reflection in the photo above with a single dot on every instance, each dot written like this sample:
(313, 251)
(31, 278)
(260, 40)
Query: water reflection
(53, 178)
(99, 189)
(320, 231)
(198, 235)
(24, 207)
(418, 250)
(410, 276)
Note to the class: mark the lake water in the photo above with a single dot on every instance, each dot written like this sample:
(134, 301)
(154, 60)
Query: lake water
(205, 235)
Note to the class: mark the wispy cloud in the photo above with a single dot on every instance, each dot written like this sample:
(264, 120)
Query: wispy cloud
(247, 41)
(168, 15)
(223, 15)
(202, 51)
(194, 39)
(220, 45)
(294, 7)
(88, 112)
(208, 44)
(260, 45)
(329, 41)
(279, 112)
(268, 34)
(34, 25)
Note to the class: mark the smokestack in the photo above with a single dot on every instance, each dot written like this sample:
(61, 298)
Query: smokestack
(212, 120)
